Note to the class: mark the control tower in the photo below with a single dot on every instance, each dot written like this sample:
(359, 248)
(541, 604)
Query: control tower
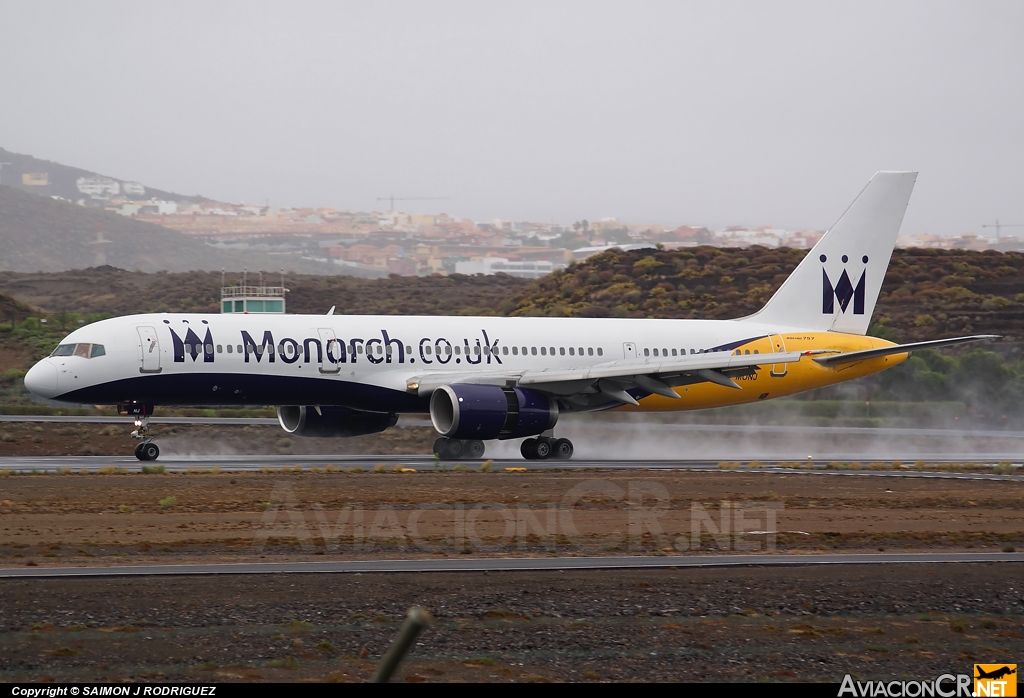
(252, 299)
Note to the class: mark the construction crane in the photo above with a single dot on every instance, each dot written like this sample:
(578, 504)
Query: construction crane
(999, 227)
(394, 198)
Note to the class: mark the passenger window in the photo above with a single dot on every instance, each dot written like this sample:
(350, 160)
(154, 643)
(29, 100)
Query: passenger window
(97, 350)
(600, 351)
(239, 348)
(515, 351)
(389, 350)
(524, 351)
(476, 350)
(359, 348)
(533, 350)
(590, 351)
(647, 352)
(572, 351)
(220, 348)
(561, 351)
(673, 352)
(380, 350)
(82, 350)
(543, 351)
(428, 350)
(504, 350)
(408, 350)
(458, 350)
(229, 347)
(581, 351)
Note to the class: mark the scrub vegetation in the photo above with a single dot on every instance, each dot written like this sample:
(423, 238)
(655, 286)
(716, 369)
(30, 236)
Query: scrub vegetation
(927, 294)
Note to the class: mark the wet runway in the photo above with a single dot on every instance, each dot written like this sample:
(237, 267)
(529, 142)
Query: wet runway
(56, 464)
(503, 564)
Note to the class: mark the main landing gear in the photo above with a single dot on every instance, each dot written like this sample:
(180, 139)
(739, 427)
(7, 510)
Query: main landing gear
(544, 447)
(458, 449)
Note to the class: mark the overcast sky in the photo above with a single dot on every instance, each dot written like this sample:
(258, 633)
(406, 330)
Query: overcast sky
(708, 113)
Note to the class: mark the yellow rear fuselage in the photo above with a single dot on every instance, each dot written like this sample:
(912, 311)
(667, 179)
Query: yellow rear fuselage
(770, 381)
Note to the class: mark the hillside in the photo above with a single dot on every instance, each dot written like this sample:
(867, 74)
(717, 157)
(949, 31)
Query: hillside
(926, 294)
(42, 234)
(109, 291)
(61, 179)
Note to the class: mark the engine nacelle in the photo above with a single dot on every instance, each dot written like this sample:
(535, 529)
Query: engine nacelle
(332, 420)
(466, 411)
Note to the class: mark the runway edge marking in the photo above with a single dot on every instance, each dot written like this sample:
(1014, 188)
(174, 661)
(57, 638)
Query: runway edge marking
(511, 564)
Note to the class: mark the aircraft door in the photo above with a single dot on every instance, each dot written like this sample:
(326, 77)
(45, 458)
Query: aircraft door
(149, 350)
(332, 349)
(628, 350)
(778, 346)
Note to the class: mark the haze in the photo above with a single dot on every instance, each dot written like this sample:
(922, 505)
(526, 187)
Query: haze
(699, 113)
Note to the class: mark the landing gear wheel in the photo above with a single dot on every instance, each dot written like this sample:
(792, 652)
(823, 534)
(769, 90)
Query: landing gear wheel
(542, 449)
(147, 451)
(439, 444)
(453, 449)
(562, 449)
(527, 449)
(475, 448)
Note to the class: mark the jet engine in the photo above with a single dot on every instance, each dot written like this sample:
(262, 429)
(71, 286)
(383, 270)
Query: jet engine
(466, 411)
(332, 420)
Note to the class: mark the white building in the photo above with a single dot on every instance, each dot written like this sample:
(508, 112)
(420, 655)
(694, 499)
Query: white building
(494, 265)
(133, 188)
(98, 187)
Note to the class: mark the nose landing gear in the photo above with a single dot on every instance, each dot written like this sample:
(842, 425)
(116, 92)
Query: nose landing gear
(147, 449)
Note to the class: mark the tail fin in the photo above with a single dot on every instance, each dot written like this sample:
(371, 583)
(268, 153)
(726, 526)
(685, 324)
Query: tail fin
(836, 285)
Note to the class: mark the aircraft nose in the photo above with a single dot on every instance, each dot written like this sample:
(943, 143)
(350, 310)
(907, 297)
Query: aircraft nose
(41, 379)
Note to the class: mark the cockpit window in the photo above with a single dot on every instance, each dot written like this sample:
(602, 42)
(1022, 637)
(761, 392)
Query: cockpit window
(86, 351)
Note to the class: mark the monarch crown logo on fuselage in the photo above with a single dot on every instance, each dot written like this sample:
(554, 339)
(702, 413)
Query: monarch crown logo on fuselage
(843, 291)
(192, 346)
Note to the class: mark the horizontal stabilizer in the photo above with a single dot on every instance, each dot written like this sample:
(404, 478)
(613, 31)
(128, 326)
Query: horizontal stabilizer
(899, 349)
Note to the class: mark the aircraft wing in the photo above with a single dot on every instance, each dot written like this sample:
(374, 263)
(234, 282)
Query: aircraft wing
(899, 349)
(614, 378)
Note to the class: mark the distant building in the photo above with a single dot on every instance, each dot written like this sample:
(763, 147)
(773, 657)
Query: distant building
(530, 269)
(98, 187)
(133, 188)
(35, 179)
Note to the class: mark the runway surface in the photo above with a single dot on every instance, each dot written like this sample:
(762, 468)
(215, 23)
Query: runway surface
(513, 564)
(55, 464)
(415, 420)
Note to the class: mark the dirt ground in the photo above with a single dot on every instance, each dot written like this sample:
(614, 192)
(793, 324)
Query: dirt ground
(61, 439)
(281, 514)
(753, 624)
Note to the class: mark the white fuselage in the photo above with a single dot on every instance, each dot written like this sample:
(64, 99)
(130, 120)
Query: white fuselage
(360, 361)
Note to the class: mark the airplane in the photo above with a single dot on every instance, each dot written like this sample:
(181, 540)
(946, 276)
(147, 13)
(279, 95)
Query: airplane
(486, 378)
(995, 673)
